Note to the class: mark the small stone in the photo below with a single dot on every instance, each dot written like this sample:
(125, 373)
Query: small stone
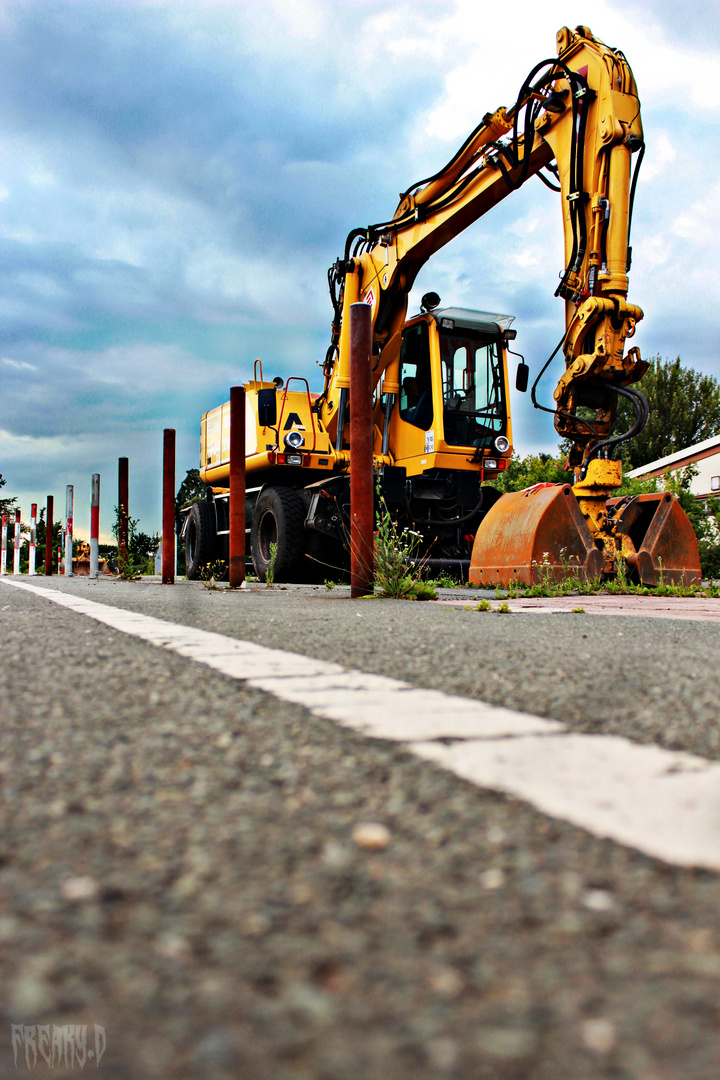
(172, 946)
(598, 1035)
(256, 923)
(496, 835)
(492, 879)
(30, 996)
(446, 981)
(78, 889)
(371, 835)
(224, 740)
(598, 900)
(334, 855)
(315, 1004)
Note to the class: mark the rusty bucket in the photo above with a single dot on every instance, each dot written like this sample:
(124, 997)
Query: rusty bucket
(666, 548)
(534, 535)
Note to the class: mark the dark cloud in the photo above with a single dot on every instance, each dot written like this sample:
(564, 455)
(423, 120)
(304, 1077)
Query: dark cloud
(175, 180)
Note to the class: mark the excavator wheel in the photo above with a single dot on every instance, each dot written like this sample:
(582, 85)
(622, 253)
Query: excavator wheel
(533, 536)
(200, 539)
(279, 518)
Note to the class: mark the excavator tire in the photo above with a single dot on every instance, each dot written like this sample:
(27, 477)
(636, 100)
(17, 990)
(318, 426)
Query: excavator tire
(279, 518)
(200, 539)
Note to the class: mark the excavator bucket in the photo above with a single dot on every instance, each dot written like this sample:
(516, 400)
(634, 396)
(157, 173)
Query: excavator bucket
(534, 535)
(666, 548)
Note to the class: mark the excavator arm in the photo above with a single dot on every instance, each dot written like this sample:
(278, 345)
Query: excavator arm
(576, 124)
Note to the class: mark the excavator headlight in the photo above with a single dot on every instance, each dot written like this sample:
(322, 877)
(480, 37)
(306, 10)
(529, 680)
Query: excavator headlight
(490, 463)
(294, 440)
(502, 444)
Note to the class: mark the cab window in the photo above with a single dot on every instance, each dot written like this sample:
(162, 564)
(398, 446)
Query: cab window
(473, 392)
(416, 404)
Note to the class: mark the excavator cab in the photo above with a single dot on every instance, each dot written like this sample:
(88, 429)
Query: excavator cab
(451, 412)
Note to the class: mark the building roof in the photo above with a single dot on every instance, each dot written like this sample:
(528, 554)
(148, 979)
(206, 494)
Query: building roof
(706, 448)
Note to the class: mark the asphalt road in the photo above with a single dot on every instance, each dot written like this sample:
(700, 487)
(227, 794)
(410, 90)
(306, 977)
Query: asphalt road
(177, 862)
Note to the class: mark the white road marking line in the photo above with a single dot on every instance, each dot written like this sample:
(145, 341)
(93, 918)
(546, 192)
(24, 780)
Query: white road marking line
(375, 704)
(388, 709)
(661, 802)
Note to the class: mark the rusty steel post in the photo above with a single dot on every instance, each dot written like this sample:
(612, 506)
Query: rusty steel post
(123, 514)
(236, 539)
(361, 451)
(168, 517)
(49, 535)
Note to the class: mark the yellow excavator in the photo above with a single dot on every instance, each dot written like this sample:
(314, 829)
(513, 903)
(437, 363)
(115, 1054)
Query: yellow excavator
(442, 428)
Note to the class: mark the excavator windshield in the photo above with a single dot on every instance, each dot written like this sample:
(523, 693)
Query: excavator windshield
(474, 409)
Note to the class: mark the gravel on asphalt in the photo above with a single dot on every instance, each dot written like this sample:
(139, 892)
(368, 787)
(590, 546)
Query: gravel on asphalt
(178, 861)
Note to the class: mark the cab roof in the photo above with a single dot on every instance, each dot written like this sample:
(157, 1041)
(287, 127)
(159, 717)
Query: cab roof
(468, 319)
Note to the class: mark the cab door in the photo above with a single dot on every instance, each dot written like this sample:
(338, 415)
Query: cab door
(412, 425)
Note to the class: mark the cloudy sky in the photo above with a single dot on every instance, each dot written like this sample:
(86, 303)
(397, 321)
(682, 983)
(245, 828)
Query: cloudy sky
(176, 178)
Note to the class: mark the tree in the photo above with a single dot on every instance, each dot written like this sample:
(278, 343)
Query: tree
(191, 490)
(533, 469)
(8, 506)
(684, 409)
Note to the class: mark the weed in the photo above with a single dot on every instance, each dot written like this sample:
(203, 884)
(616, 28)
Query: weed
(484, 605)
(396, 572)
(446, 581)
(270, 572)
(425, 590)
(504, 608)
(329, 584)
(211, 573)
(578, 611)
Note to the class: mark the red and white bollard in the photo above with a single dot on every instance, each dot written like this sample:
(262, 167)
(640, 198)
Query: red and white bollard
(94, 525)
(3, 546)
(16, 550)
(69, 493)
(49, 535)
(33, 539)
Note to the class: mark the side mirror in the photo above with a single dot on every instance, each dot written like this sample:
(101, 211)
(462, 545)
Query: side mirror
(521, 378)
(267, 408)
